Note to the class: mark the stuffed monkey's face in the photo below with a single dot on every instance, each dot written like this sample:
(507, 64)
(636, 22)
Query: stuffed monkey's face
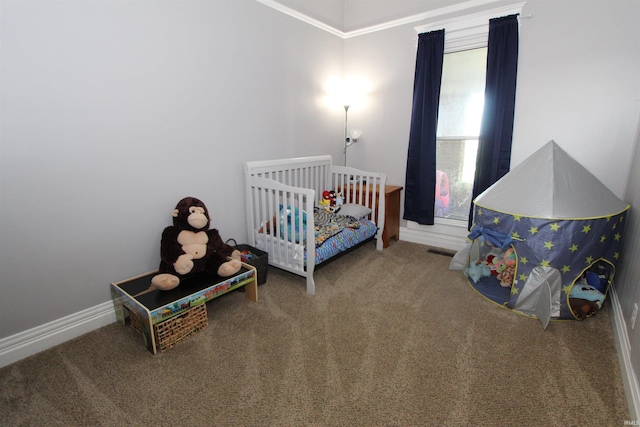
(191, 214)
(197, 218)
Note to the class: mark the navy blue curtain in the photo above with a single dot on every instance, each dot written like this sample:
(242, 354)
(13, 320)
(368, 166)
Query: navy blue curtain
(496, 130)
(420, 181)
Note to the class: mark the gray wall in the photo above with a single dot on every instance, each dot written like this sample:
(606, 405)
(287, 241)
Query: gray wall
(114, 111)
(627, 281)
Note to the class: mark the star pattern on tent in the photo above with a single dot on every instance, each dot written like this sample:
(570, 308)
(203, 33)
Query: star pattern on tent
(480, 211)
(566, 245)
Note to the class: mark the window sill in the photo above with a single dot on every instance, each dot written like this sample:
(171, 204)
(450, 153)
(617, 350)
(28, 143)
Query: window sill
(445, 233)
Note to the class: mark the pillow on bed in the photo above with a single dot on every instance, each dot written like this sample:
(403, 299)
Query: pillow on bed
(354, 210)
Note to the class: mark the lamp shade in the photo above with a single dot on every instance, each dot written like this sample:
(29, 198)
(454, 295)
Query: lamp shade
(355, 134)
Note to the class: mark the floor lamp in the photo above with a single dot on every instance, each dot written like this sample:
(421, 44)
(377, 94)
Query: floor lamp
(349, 138)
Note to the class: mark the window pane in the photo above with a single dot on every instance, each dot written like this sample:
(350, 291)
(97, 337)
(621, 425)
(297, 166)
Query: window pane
(456, 165)
(459, 117)
(462, 93)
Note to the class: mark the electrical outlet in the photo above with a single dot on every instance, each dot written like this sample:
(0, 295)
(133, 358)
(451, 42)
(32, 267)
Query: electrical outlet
(634, 316)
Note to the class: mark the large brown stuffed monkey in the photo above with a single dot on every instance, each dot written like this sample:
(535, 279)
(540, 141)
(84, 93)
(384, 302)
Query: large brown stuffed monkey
(189, 246)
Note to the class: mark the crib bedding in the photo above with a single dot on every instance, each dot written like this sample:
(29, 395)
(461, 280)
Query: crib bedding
(329, 224)
(293, 225)
(347, 238)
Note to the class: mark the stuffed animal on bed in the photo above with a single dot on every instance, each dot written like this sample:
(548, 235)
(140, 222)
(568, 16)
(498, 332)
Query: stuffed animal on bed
(189, 247)
(331, 201)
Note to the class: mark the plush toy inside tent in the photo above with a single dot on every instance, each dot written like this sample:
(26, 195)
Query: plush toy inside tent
(546, 238)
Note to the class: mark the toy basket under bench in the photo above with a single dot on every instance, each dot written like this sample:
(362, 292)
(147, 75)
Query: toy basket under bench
(177, 329)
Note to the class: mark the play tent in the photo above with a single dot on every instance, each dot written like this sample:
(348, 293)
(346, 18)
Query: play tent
(546, 238)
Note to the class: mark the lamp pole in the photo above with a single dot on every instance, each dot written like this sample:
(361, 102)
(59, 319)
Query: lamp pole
(346, 134)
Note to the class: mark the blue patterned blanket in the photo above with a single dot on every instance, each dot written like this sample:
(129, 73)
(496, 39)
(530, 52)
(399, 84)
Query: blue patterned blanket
(329, 224)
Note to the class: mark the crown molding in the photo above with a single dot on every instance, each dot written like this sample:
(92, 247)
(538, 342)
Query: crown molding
(302, 17)
(460, 7)
(477, 19)
(469, 31)
(379, 27)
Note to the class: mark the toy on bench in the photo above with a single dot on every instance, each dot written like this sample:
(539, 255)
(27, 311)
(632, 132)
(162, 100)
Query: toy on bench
(189, 247)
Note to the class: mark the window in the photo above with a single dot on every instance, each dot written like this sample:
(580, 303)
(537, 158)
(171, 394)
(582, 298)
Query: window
(459, 117)
(464, 33)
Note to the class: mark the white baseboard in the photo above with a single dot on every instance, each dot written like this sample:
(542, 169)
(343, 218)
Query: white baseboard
(434, 239)
(623, 347)
(40, 338)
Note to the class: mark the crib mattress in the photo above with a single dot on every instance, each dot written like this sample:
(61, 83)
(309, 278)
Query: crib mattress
(344, 240)
(347, 238)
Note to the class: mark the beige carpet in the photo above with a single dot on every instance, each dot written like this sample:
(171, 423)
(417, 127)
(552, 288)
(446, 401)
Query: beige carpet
(391, 338)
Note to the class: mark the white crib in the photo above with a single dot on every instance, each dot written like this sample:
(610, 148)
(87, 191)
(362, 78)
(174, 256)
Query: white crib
(296, 185)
